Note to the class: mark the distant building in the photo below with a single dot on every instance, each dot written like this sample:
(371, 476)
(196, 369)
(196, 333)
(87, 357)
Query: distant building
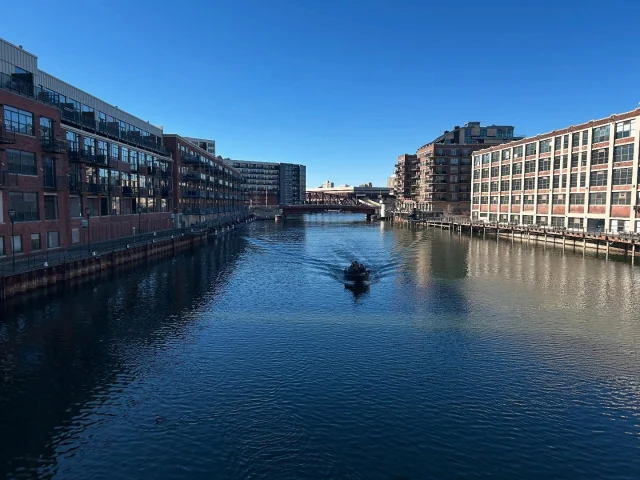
(272, 183)
(366, 184)
(391, 181)
(327, 184)
(406, 177)
(208, 146)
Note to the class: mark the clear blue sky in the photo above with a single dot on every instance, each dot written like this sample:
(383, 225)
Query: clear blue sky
(343, 86)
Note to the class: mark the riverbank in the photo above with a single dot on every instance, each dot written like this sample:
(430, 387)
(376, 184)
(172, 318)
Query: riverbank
(71, 265)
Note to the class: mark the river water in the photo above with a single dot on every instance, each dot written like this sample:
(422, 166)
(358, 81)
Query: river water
(466, 358)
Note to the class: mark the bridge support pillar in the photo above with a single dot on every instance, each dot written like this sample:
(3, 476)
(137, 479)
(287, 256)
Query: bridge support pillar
(368, 217)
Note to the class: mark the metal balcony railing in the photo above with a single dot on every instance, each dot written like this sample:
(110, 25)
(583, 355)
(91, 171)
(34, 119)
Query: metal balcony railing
(53, 182)
(52, 145)
(8, 179)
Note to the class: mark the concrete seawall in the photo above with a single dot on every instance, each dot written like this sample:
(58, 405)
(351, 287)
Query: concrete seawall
(23, 282)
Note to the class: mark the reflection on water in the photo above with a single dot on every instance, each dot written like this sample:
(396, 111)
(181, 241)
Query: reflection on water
(252, 358)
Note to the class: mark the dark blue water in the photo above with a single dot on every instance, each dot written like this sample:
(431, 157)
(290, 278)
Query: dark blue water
(466, 358)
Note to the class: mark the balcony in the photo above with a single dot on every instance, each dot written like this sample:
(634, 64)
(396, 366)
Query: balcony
(84, 156)
(165, 174)
(188, 159)
(16, 85)
(165, 193)
(7, 134)
(51, 145)
(129, 191)
(97, 188)
(76, 186)
(55, 183)
(190, 194)
(8, 179)
(193, 176)
(115, 189)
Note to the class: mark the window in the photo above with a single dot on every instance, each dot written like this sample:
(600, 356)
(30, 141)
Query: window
(21, 163)
(625, 129)
(485, 158)
(527, 219)
(53, 239)
(506, 170)
(113, 152)
(622, 176)
(50, 207)
(453, 169)
(16, 244)
(504, 186)
(543, 183)
(621, 198)
(557, 222)
(556, 181)
(506, 154)
(476, 160)
(583, 159)
(530, 149)
(543, 199)
(484, 200)
(504, 199)
(540, 220)
(576, 199)
(565, 161)
(564, 181)
(35, 241)
(529, 166)
(601, 134)
(575, 222)
(557, 163)
(484, 187)
(46, 128)
(529, 183)
(623, 153)
(90, 145)
(18, 120)
(544, 164)
(575, 139)
(574, 160)
(574, 180)
(517, 168)
(453, 152)
(516, 199)
(494, 186)
(25, 205)
(598, 198)
(476, 200)
(517, 152)
(585, 137)
(476, 174)
(2, 253)
(557, 199)
(545, 146)
(516, 184)
(529, 199)
(452, 161)
(598, 178)
(495, 171)
(494, 199)
(485, 173)
(583, 179)
(75, 204)
(565, 141)
(557, 142)
(495, 156)
(72, 138)
(600, 156)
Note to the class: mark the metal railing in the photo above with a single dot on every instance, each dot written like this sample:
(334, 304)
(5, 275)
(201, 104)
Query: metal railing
(8, 179)
(7, 134)
(49, 258)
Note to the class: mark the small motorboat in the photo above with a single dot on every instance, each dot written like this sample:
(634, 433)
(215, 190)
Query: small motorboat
(356, 273)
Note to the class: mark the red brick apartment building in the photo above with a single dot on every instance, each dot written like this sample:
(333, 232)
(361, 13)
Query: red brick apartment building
(581, 177)
(75, 169)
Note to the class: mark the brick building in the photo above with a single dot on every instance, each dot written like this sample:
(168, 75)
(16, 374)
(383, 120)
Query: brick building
(582, 176)
(272, 183)
(406, 181)
(206, 187)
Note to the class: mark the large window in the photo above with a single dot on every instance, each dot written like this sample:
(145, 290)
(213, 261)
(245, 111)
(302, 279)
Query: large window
(545, 146)
(623, 153)
(26, 206)
(504, 186)
(517, 151)
(516, 199)
(485, 173)
(20, 121)
(35, 242)
(516, 184)
(575, 139)
(53, 239)
(529, 166)
(495, 171)
(598, 178)
(517, 168)
(529, 183)
(574, 180)
(574, 160)
(583, 159)
(565, 141)
(621, 198)
(585, 137)
(506, 154)
(625, 129)
(494, 200)
(75, 204)
(506, 170)
(494, 186)
(22, 163)
(557, 162)
(17, 244)
(50, 207)
(544, 164)
(601, 134)
(556, 181)
(543, 199)
(529, 199)
(485, 158)
(557, 143)
(576, 199)
(72, 138)
(495, 156)
(543, 183)
(557, 222)
(530, 149)
(622, 176)
(600, 156)
(557, 199)
(598, 198)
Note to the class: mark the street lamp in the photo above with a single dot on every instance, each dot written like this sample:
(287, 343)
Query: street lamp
(12, 219)
(88, 213)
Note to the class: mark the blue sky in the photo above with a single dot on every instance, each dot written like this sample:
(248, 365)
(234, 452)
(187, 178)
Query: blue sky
(343, 86)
